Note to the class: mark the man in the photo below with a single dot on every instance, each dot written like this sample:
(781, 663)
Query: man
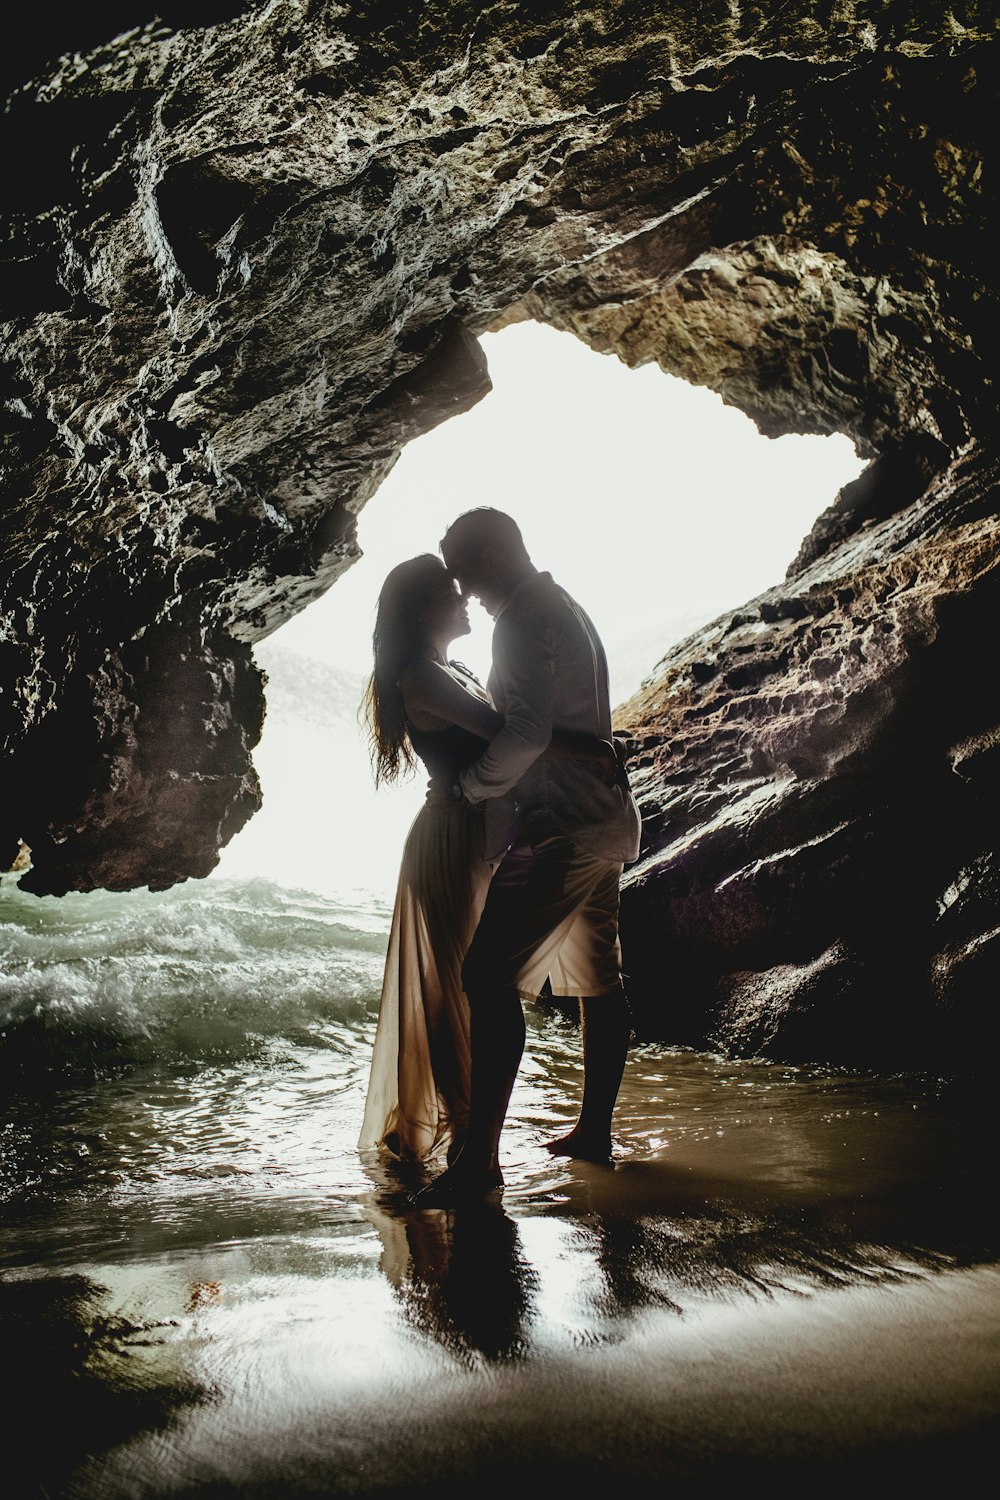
(567, 827)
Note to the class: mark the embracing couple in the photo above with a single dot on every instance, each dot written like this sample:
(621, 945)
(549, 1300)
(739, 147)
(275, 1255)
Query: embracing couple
(511, 870)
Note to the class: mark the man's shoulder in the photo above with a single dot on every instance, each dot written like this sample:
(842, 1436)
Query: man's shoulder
(536, 615)
(539, 596)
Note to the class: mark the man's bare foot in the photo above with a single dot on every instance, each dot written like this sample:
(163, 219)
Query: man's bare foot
(459, 1184)
(582, 1146)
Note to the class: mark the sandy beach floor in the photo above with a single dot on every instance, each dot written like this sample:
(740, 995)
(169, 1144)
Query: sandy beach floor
(783, 1277)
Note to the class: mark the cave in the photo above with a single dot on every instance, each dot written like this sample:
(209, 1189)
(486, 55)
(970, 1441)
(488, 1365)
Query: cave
(249, 253)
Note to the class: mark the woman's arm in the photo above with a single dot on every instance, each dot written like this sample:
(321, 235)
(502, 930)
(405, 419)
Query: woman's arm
(431, 692)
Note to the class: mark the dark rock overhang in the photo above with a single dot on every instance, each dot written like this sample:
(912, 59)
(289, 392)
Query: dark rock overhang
(247, 253)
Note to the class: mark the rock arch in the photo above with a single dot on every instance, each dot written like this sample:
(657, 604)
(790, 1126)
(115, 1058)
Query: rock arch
(248, 250)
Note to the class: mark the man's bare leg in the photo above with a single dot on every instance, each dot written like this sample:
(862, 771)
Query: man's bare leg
(497, 1034)
(605, 1025)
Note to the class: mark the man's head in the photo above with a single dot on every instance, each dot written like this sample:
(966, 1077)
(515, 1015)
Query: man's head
(485, 551)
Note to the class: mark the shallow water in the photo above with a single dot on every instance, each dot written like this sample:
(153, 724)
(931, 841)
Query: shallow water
(786, 1270)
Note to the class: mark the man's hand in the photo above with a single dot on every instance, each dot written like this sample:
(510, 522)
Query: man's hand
(624, 744)
(607, 760)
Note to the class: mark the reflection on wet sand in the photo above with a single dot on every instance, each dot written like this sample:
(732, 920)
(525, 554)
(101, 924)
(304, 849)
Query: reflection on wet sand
(783, 1271)
(663, 1319)
(660, 1233)
(461, 1276)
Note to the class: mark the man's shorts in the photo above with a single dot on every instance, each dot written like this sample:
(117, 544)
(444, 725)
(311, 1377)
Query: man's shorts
(551, 913)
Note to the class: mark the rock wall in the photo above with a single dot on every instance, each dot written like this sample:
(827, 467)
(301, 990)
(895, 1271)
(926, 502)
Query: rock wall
(818, 775)
(246, 252)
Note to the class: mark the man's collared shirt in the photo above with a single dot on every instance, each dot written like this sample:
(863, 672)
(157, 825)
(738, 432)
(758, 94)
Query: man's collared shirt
(549, 668)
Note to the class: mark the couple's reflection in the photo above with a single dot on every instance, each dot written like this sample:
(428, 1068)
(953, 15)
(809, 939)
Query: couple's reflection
(460, 1274)
(654, 1237)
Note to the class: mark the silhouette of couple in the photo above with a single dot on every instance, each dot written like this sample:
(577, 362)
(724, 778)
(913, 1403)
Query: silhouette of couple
(511, 870)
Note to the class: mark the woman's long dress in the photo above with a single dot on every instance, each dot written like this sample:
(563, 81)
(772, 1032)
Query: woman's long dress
(418, 1091)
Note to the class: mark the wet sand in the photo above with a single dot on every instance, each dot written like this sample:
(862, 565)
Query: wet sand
(784, 1277)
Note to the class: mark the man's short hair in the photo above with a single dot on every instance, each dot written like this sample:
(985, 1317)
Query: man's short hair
(477, 530)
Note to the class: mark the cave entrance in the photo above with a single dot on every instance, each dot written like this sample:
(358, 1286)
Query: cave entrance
(652, 501)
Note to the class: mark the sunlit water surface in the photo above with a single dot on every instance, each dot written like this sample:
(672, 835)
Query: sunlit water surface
(218, 1293)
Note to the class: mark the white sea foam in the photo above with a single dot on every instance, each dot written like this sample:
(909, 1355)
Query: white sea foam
(202, 969)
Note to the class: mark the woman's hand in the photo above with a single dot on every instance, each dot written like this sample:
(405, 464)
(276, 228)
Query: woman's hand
(442, 793)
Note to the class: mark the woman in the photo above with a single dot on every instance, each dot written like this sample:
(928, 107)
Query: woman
(420, 705)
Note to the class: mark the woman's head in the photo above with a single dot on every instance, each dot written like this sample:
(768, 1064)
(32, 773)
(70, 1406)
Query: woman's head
(420, 609)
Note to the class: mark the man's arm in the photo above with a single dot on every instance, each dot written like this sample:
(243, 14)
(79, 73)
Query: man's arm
(523, 660)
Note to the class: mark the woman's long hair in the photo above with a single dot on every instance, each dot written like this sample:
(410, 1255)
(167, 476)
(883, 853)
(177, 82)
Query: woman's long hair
(399, 635)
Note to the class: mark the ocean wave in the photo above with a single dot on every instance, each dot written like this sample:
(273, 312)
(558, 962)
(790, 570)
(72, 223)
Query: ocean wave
(219, 970)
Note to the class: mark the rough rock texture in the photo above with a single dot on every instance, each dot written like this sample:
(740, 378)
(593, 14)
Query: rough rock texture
(818, 774)
(246, 254)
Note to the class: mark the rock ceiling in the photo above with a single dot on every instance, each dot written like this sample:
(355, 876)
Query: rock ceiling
(247, 252)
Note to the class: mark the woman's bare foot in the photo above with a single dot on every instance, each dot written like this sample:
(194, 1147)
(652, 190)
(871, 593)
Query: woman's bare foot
(582, 1146)
(459, 1183)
